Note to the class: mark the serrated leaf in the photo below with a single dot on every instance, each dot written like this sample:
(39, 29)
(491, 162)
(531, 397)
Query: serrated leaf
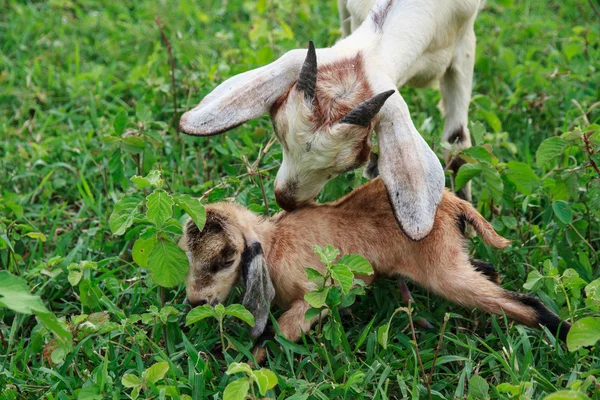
(130, 381)
(238, 311)
(142, 248)
(124, 213)
(14, 294)
(168, 263)
(236, 367)
(156, 372)
(343, 276)
(327, 254)
(357, 264)
(492, 180)
(160, 205)
(317, 298)
(120, 122)
(265, 379)
(193, 207)
(549, 149)
(562, 210)
(152, 179)
(522, 176)
(199, 313)
(478, 387)
(465, 173)
(477, 131)
(237, 390)
(477, 153)
(315, 276)
(585, 332)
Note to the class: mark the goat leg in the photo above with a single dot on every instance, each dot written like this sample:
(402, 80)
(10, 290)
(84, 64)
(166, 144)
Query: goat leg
(407, 296)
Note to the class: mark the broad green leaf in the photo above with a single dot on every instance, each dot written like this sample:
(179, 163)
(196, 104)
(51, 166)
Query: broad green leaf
(237, 390)
(156, 372)
(492, 119)
(142, 249)
(478, 387)
(492, 180)
(199, 313)
(124, 213)
(522, 176)
(357, 264)
(37, 235)
(550, 148)
(236, 367)
(133, 144)
(477, 131)
(130, 381)
(120, 122)
(317, 298)
(465, 173)
(238, 311)
(14, 294)
(566, 395)
(193, 207)
(343, 276)
(508, 388)
(585, 332)
(592, 293)
(315, 276)
(168, 263)
(312, 313)
(383, 334)
(533, 280)
(152, 179)
(75, 276)
(160, 205)
(327, 254)
(90, 393)
(265, 379)
(478, 153)
(562, 210)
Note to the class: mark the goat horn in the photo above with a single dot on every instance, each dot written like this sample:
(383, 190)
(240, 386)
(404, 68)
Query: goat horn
(363, 113)
(307, 81)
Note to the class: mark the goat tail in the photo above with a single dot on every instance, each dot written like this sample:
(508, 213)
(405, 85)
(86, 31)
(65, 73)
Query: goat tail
(483, 228)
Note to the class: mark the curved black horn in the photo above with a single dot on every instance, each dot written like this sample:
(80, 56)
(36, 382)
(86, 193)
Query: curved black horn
(307, 81)
(363, 113)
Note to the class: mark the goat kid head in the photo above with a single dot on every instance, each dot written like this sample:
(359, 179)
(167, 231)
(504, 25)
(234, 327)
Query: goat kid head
(226, 252)
(324, 117)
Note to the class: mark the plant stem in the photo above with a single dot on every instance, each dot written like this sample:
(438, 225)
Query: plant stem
(435, 356)
(414, 336)
(161, 292)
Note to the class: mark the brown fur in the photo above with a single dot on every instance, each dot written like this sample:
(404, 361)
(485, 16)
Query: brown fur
(363, 223)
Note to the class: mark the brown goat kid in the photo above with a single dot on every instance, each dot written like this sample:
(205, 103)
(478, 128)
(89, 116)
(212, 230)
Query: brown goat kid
(268, 256)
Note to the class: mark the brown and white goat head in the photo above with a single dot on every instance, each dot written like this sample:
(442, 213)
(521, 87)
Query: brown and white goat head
(223, 254)
(324, 117)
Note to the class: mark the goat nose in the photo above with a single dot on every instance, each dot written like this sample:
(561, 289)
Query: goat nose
(197, 302)
(285, 200)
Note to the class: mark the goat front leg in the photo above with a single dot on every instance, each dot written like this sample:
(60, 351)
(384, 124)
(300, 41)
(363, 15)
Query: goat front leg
(456, 86)
(292, 325)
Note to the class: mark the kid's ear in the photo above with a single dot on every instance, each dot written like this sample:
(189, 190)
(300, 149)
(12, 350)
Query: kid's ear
(258, 288)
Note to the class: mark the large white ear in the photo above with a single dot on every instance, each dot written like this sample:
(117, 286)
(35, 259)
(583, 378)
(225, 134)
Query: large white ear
(410, 170)
(243, 97)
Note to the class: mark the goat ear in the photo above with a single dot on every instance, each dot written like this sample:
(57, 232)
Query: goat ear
(259, 291)
(243, 97)
(412, 173)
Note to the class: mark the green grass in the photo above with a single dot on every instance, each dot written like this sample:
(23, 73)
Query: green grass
(68, 68)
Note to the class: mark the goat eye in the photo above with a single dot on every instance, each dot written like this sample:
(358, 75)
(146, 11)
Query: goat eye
(227, 264)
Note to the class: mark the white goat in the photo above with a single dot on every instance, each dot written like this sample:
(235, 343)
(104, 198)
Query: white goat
(324, 115)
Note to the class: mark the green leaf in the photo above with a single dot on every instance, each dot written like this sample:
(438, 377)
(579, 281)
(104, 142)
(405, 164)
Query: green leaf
(492, 119)
(90, 393)
(236, 367)
(477, 131)
(492, 180)
(315, 276)
(130, 381)
(155, 373)
(168, 263)
(357, 264)
(478, 153)
(533, 280)
(133, 144)
(75, 276)
(200, 313)
(383, 335)
(327, 254)
(312, 313)
(566, 395)
(317, 298)
(152, 179)
(61, 333)
(592, 293)
(343, 276)
(478, 387)
(265, 379)
(465, 173)
(193, 207)
(36, 235)
(562, 210)
(585, 332)
(14, 294)
(160, 205)
(237, 390)
(124, 213)
(522, 176)
(549, 149)
(142, 249)
(238, 311)
(120, 122)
